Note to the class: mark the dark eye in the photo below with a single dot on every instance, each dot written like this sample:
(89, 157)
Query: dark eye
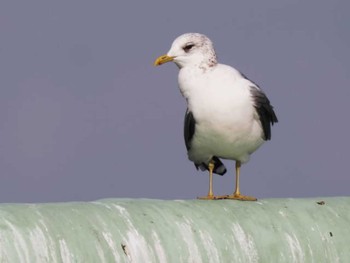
(188, 47)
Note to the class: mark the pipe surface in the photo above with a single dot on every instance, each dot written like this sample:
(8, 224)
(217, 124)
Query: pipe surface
(143, 230)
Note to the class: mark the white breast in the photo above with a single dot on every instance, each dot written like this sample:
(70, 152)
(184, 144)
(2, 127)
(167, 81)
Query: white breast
(227, 125)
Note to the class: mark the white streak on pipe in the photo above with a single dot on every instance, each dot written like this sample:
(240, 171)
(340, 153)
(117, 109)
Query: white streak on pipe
(112, 245)
(20, 244)
(295, 248)
(187, 235)
(246, 243)
(64, 251)
(160, 252)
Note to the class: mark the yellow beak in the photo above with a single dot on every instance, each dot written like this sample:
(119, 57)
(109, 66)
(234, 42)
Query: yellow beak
(163, 59)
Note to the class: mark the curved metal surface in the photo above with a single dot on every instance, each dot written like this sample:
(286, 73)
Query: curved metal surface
(143, 230)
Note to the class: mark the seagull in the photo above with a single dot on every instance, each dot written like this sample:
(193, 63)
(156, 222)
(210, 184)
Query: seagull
(228, 116)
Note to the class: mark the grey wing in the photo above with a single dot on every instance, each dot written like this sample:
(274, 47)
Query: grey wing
(264, 109)
(189, 128)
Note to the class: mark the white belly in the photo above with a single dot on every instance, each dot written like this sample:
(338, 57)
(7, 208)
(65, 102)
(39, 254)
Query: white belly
(235, 143)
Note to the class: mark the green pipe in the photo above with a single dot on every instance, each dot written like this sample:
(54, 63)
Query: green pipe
(142, 230)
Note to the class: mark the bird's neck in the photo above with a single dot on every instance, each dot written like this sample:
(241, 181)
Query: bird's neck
(191, 79)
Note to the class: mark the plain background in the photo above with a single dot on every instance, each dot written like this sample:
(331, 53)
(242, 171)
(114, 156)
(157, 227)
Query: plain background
(85, 115)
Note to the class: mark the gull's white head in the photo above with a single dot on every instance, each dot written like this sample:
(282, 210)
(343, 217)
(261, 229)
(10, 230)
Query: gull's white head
(191, 49)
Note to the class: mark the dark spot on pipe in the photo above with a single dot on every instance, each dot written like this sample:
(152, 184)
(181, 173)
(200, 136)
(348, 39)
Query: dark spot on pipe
(125, 249)
(331, 234)
(321, 202)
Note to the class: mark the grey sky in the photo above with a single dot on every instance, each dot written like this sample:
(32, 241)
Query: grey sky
(84, 114)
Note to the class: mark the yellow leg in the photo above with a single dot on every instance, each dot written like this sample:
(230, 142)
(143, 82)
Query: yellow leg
(210, 195)
(237, 194)
(238, 170)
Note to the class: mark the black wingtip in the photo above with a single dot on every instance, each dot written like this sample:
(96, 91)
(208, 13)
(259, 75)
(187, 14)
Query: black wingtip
(219, 167)
(265, 111)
